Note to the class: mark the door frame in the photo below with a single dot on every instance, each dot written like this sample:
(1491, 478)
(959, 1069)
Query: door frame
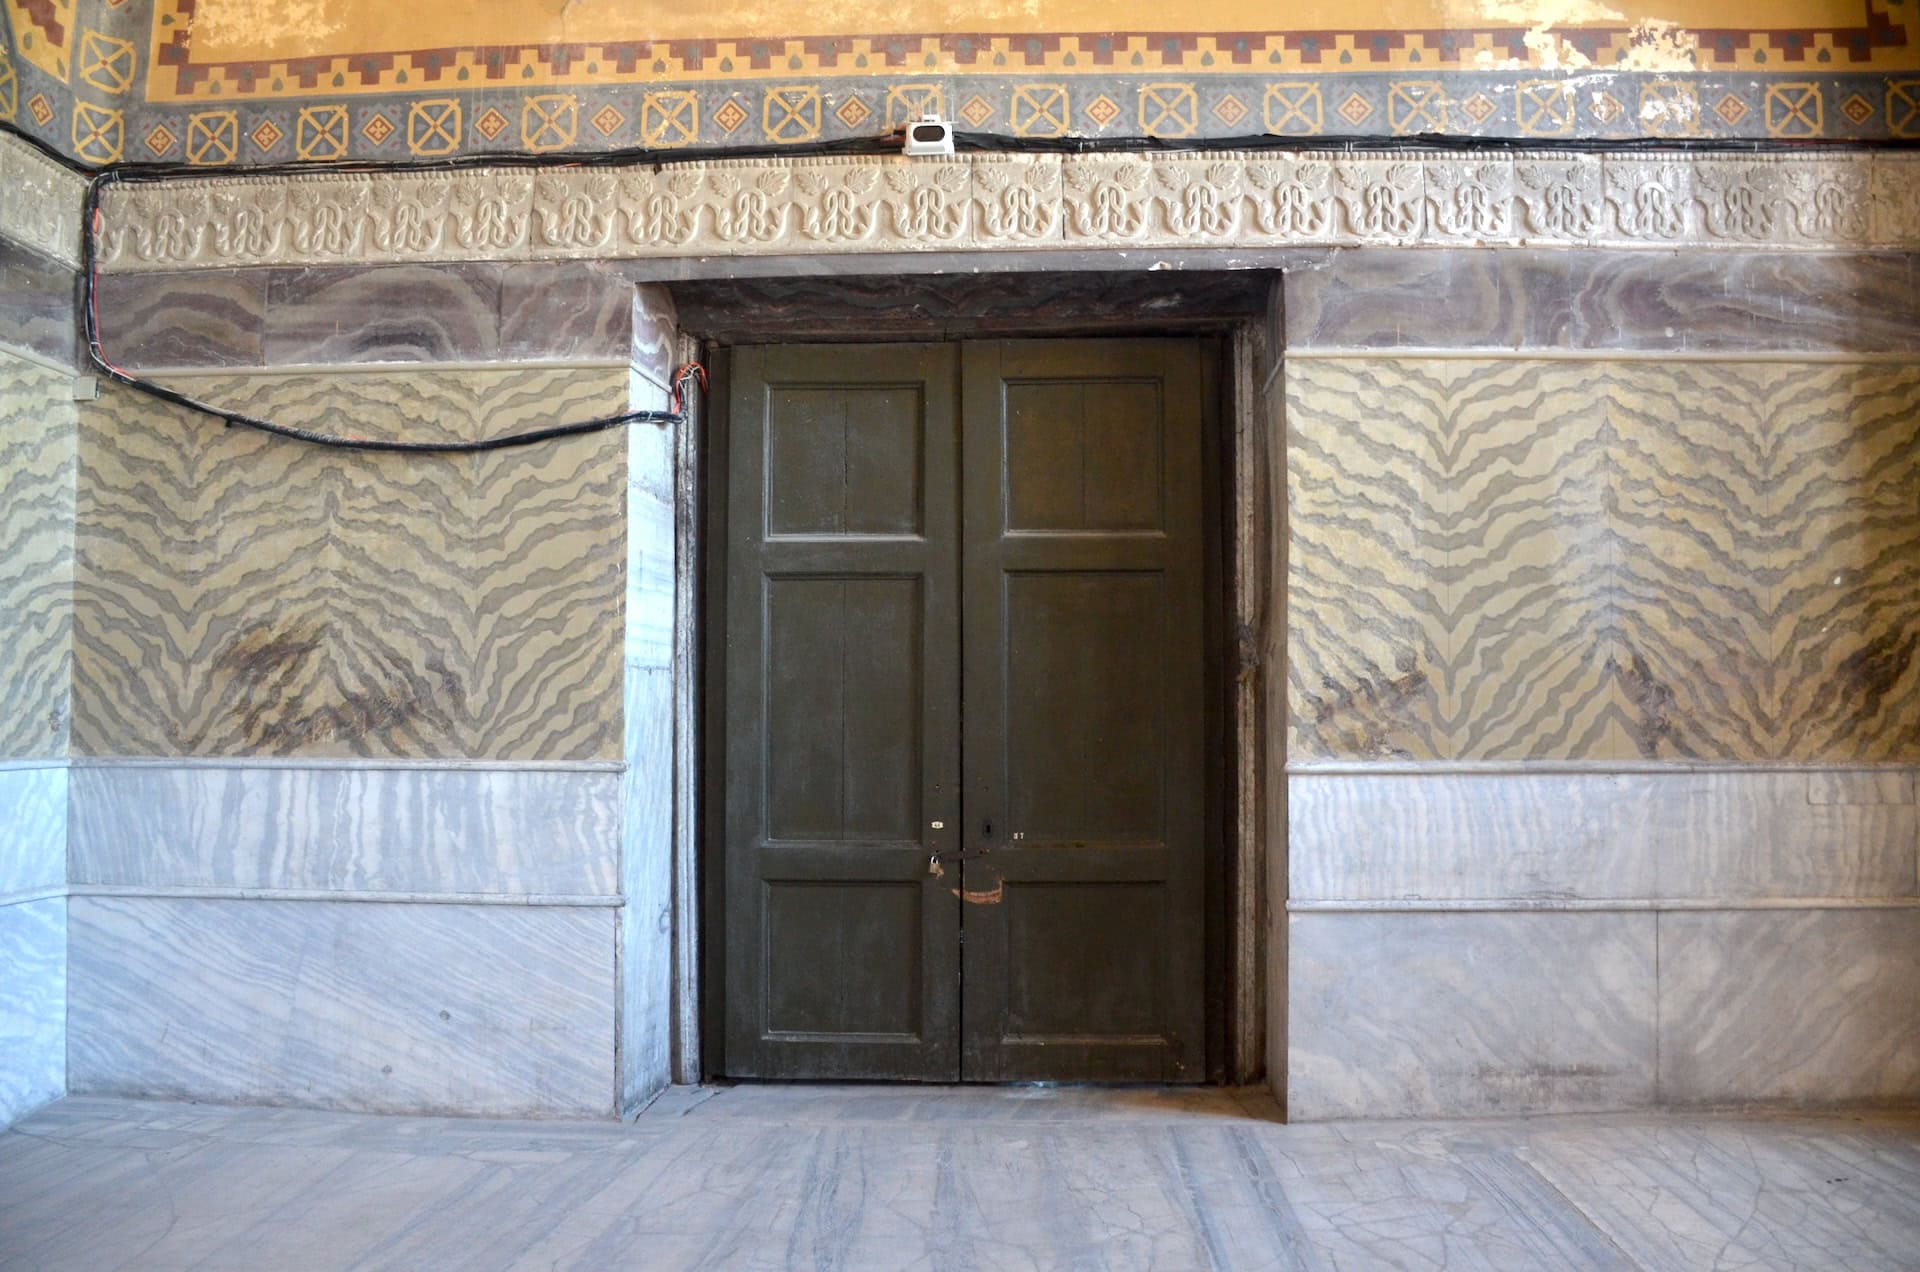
(1237, 533)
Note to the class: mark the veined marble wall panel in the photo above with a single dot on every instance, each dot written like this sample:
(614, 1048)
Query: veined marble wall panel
(646, 871)
(37, 464)
(1447, 1015)
(33, 1006)
(533, 831)
(38, 298)
(1805, 1007)
(33, 828)
(1606, 302)
(238, 594)
(488, 1010)
(1543, 837)
(1545, 559)
(646, 932)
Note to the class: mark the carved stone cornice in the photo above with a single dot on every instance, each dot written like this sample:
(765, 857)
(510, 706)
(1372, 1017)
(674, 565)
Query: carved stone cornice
(840, 205)
(39, 202)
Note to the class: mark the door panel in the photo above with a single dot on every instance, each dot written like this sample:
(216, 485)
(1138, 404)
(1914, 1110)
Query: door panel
(1084, 720)
(842, 688)
(1024, 898)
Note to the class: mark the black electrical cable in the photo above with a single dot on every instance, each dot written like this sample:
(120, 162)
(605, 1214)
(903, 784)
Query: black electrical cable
(104, 178)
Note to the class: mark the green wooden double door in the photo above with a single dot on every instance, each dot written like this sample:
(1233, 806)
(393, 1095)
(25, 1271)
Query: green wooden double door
(964, 714)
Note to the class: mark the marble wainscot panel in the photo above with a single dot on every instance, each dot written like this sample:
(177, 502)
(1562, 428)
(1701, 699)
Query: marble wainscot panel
(33, 1005)
(33, 936)
(1814, 1007)
(498, 1010)
(33, 827)
(1411, 1015)
(540, 830)
(1726, 835)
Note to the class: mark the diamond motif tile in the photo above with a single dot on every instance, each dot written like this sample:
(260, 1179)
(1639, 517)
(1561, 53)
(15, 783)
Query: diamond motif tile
(1903, 107)
(1857, 108)
(1103, 110)
(1606, 107)
(266, 134)
(607, 120)
(377, 129)
(730, 116)
(1230, 110)
(40, 109)
(1479, 107)
(976, 111)
(1355, 109)
(853, 112)
(1731, 109)
(159, 140)
(491, 124)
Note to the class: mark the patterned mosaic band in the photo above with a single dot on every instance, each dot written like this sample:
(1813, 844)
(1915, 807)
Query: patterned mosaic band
(108, 81)
(463, 120)
(1001, 202)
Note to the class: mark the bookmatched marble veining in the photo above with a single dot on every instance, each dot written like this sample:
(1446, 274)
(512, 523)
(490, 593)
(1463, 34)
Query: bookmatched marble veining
(238, 594)
(38, 456)
(1540, 559)
(480, 1010)
(1817, 1007)
(1460, 1015)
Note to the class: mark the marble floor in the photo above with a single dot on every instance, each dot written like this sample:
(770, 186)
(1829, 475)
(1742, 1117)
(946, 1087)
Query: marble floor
(957, 1178)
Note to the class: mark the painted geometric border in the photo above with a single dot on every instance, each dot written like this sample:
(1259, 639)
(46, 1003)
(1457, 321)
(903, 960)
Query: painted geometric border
(1879, 39)
(102, 119)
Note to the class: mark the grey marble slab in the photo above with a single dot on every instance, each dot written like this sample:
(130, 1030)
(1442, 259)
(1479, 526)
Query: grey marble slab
(650, 547)
(1459, 1015)
(654, 324)
(646, 878)
(1796, 1007)
(539, 831)
(38, 298)
(202, 319)
(1721, 835)
(394, 313)
(33, 828)
(565, 311)
(1740, 302)
(33, 1007)
(562, 311)
(812, 1178)
(488, 1010)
